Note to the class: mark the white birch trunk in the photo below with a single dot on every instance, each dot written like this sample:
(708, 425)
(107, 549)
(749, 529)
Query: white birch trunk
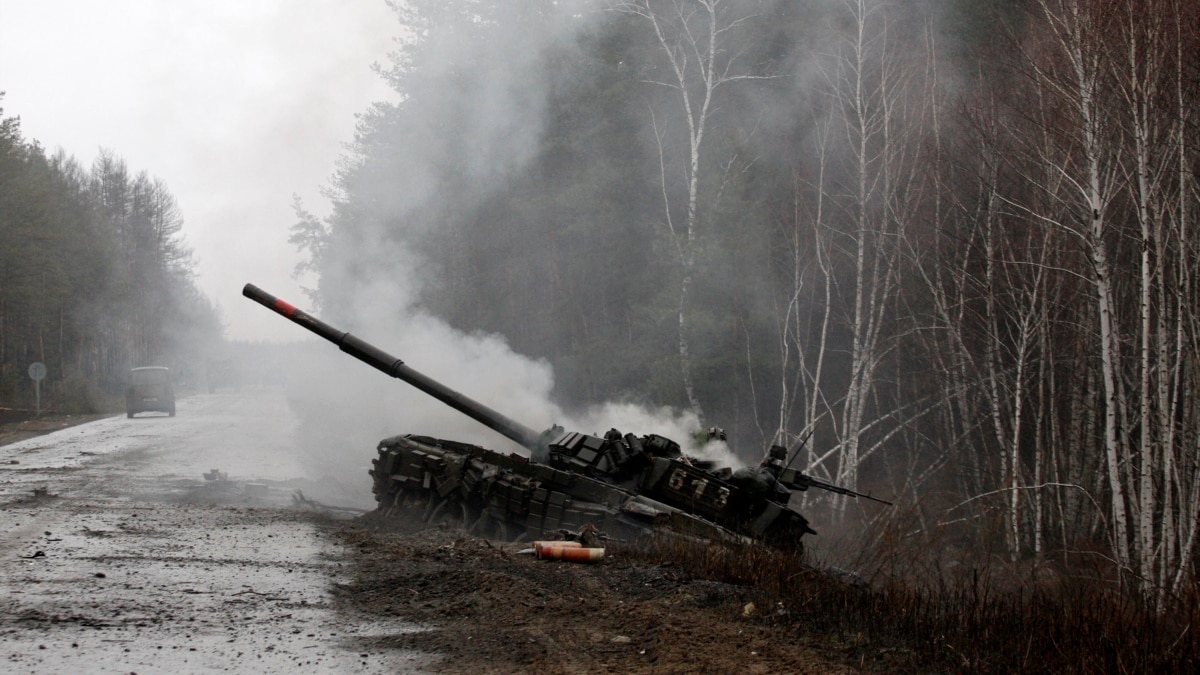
(693, 52)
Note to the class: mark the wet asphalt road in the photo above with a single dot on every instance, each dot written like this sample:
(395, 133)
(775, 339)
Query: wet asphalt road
(117, 555)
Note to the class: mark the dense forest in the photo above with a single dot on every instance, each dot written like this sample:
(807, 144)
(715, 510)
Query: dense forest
(954, 245)
(94, 279)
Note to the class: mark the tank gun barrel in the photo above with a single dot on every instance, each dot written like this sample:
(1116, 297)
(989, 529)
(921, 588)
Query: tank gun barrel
(381, 360)
(794, 480)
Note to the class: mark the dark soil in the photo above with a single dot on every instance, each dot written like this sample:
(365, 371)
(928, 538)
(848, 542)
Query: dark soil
(489, 608)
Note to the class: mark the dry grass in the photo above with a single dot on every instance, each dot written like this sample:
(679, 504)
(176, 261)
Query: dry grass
(919, 605)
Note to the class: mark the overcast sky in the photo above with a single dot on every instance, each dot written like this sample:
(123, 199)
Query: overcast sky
(235, 104)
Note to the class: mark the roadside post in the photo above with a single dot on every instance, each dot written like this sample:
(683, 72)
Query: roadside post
(37, 371)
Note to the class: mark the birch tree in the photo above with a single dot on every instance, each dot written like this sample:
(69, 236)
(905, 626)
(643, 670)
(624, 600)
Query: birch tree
(698, 41)
(865, 86)
(1105, 161)
(1182, 43)
(1148, 72)
(1068, 67)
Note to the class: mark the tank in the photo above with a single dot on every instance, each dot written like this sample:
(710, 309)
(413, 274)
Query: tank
(624, 485)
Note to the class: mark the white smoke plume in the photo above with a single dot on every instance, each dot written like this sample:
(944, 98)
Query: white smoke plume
(346, 407)
(496, 100)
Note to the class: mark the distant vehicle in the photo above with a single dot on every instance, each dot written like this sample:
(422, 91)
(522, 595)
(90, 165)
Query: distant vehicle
(150, 390)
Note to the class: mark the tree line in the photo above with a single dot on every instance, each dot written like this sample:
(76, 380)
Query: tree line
(94, 277)
(954, 243)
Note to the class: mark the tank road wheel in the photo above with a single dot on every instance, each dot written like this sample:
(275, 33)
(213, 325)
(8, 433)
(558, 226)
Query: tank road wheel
(437, 511)
(397, 500)
(480, 523)
(430, 507)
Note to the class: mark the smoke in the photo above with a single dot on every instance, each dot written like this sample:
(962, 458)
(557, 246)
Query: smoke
(681, 426)
(347, 407)
(473, 92)
(477, 106)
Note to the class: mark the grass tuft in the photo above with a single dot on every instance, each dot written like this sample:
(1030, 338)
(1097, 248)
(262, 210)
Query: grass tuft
(905, 605)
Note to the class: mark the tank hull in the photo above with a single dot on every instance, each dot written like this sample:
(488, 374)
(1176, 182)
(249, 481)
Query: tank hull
(512, 497)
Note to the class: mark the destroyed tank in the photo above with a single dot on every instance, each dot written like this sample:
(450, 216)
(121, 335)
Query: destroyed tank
(624, 485)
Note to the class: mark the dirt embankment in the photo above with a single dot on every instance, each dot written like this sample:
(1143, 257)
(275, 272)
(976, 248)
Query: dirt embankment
(491, 609)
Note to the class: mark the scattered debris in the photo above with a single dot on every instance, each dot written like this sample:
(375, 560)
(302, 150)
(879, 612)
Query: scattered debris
(569, 551)
(588, 536)
(582, 546)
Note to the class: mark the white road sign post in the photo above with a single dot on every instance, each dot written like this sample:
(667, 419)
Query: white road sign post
(37, 371)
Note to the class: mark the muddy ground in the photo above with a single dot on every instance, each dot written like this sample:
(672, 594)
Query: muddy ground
(370, 595)
(491, 608)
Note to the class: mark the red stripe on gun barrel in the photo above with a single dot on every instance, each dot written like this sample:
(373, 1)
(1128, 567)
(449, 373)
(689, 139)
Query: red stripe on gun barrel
(284, 308)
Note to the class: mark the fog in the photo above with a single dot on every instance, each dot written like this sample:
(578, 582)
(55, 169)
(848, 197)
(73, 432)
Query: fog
(237, 106)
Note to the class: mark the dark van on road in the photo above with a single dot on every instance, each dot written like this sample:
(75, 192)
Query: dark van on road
(150, 390)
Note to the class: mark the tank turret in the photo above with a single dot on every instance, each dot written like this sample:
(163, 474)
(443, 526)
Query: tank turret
(624, 484)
